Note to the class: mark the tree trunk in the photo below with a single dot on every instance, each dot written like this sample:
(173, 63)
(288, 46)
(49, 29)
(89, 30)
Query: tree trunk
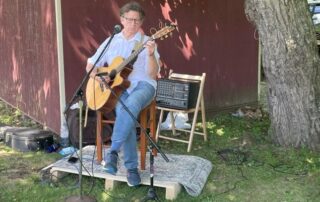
(292, 69)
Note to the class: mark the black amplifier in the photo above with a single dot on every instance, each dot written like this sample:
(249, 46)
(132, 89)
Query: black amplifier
(177, 94)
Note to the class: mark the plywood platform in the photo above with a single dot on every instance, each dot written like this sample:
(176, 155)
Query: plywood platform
(189, 172)
(111, 181)
(63, 167)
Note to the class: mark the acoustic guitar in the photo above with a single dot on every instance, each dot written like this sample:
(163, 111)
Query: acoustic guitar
(99, 96)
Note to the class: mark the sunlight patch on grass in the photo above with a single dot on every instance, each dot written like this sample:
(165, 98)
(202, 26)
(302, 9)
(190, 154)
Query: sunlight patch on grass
(6, 151)
(220, 131)
(6, 119)
(105, 197)
(17, 113)
(5, 154)
(24, 181)
(30, 154)
(210, 125)
(211, 187)
(310, 160)
(231, 197)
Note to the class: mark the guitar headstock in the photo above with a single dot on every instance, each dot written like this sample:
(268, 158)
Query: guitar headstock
(163, 32)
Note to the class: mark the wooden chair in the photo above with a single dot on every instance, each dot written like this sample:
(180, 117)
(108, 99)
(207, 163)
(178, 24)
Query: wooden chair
(198, 107)
(147, 120)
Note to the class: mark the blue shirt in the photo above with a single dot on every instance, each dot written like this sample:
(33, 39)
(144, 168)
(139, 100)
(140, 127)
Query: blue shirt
(120, 46)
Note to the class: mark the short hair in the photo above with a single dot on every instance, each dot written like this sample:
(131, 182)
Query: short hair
(132, 6)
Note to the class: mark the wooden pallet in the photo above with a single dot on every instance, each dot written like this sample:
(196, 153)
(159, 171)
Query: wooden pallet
(111, 181)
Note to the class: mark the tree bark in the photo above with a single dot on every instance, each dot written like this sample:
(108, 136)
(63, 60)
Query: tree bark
(292, 69)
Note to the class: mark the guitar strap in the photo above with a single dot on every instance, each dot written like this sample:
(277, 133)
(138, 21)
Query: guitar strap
(138, 43)
(136, 47)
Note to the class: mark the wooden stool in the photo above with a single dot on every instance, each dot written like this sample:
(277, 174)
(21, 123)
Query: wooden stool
(148, 112)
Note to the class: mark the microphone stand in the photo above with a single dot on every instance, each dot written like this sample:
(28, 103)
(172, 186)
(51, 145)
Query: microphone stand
(152, 145)
(151, 195)
(79, 93)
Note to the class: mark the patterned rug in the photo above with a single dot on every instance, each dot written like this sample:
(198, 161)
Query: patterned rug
(189, 171)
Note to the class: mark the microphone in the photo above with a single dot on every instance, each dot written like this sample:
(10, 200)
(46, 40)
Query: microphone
(117, 29)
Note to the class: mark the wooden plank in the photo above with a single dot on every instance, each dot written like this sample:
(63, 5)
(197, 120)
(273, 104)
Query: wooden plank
(111, 181)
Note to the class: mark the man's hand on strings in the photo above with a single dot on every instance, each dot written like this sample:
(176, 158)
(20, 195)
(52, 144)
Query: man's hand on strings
(150, 46)
(106, 78)
(100, 78)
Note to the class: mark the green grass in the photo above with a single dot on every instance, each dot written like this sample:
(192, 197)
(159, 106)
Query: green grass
(246, 167)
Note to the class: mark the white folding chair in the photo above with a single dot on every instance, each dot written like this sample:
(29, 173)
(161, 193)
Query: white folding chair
(195, 110)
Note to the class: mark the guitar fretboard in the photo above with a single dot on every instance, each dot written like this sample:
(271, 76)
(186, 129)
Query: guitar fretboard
(131, 57)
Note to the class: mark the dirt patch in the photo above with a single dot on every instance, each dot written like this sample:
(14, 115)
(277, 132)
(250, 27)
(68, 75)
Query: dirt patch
(18, 173)
(14, 168)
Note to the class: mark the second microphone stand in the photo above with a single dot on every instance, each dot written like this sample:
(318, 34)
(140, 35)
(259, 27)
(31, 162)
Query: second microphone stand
(151, 195)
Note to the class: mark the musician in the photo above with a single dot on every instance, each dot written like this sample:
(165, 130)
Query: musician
(140, 93)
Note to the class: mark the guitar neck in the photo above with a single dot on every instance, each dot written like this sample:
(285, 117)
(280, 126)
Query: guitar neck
(131, 57)
(163, 32)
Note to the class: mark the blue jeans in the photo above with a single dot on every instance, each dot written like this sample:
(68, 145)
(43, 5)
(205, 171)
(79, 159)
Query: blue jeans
(124, 131)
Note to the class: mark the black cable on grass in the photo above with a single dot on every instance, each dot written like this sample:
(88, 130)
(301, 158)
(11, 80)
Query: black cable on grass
(276, 168)
(233, 156)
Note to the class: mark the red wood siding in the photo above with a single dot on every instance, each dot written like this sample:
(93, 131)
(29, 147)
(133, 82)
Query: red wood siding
(28, 65)
(213, 36)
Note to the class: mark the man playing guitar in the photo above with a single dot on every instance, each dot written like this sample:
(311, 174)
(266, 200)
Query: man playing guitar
(137, 96)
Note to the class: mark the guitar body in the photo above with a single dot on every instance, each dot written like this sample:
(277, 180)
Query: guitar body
(98, 96)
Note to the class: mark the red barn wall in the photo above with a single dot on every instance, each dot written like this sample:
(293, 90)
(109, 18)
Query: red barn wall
(213, 36)
(28, 65)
